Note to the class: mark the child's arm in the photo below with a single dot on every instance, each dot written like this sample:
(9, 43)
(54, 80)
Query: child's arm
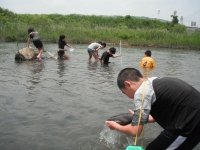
(151, 119)
(98, 48)
(114, 56)
(28, 42)
(69, 45)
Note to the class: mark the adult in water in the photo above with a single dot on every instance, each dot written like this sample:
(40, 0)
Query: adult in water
(171, 102)
(34, 35)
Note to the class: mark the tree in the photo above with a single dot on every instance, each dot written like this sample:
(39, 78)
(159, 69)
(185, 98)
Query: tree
(175, 18)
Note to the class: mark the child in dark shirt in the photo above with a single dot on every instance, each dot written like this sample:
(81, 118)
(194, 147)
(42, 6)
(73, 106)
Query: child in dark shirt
(107, 54)
(61, 44)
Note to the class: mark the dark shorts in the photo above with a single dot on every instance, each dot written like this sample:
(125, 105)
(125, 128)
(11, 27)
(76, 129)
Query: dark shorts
(90, 51)
(38, 43)
(61, 53)
(166, 138)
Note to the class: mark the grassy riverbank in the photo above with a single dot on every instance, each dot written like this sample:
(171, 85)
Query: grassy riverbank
(86, 29)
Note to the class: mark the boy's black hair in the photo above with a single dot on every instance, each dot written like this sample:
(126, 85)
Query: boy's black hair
(112, 50)
(128, 74)
(104, 44)
(30, 30)
(62, 36)
(148, 53)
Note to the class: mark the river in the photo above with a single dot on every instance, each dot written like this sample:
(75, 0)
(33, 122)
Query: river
(63, 104)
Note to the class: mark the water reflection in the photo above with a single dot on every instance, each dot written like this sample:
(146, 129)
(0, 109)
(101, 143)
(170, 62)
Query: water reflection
(38, 67)
(107, 71)
(146, 72)
(85, 90)
(61, 67)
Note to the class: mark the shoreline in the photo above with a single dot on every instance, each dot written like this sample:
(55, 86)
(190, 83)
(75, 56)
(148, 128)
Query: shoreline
(123, 44)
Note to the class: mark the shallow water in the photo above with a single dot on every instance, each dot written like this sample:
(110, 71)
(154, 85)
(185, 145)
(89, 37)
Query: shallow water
(63, 104)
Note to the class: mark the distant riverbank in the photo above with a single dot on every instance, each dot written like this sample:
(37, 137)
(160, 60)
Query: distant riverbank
(83, 29)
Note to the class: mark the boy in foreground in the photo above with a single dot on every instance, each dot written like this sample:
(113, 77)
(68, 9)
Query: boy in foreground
(171, 102)
(107, 54)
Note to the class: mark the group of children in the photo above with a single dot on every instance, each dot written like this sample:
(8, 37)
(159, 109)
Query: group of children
(39, 45)
(93, 48)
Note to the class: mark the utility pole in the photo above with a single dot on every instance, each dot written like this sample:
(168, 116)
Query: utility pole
(181, 19)
(158, 14)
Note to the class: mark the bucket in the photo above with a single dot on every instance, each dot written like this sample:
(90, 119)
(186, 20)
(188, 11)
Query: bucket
(134, 148)
(71, 49)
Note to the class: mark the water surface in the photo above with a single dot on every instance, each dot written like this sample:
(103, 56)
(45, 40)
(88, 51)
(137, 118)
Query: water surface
(63, 104)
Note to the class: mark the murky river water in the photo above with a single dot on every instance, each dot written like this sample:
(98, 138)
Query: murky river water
(63, 104)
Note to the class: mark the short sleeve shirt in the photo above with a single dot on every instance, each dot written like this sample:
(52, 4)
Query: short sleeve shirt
(62, 44)
(94, 46)
(146, 92)
(173, 103)
(34, 36)
(147, 62)
(105, 57)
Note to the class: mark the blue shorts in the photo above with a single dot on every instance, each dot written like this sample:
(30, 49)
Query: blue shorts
(90, 51)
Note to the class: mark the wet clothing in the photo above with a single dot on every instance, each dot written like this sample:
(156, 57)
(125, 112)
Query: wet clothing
(36, 39)
(105, 57)
(61, 45)
(175, 106)
(147, 62)
(92, 47)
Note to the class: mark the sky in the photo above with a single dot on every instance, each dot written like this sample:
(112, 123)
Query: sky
(159, 9)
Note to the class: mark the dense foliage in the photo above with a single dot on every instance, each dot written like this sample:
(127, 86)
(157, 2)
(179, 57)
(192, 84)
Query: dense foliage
(86, 29)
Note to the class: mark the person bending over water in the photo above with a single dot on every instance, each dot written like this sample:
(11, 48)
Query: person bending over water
(93, 49)
(107, 54)
(61, 44)
(171, 102)
(36, 41)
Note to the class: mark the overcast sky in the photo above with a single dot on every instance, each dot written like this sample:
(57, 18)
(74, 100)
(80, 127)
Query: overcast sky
(189, 9)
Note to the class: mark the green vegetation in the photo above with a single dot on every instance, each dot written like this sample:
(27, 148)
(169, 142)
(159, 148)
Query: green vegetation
(86, 29)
